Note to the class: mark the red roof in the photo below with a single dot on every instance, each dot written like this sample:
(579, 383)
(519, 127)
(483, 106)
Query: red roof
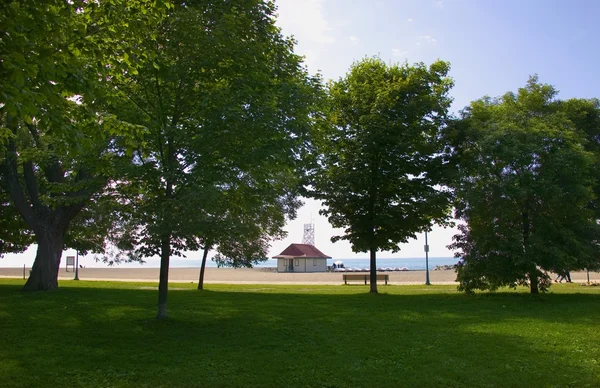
(302, 250)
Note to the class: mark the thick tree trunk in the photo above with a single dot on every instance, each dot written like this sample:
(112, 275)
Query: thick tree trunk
(533, 283)
(373, 271)
(44, 273)
(163, 282)
(202, 267)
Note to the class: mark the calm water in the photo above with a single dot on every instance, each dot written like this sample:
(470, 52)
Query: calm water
(410, 263)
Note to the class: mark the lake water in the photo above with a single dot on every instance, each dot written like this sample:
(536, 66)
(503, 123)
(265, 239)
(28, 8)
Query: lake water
(410, 263)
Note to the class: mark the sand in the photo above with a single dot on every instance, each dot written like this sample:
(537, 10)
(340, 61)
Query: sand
(254, 276)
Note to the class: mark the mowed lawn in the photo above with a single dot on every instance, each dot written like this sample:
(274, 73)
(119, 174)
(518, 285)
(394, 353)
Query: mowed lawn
(92, 334)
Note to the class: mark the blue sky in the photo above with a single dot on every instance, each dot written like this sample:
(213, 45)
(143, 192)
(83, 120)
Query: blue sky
(493, 46)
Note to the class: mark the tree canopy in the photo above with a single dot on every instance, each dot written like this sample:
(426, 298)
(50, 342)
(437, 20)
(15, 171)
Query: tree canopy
(525, 190)
(58, 145)
(381, 154)
(228, 110)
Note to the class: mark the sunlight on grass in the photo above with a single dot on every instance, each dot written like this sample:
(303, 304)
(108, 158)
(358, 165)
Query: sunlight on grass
(104, 334)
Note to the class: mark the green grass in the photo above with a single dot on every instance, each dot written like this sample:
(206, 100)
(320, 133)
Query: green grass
(89, 334)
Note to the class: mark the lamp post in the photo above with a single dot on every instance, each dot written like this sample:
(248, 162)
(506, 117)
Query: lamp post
(427, 283)
(76, 265)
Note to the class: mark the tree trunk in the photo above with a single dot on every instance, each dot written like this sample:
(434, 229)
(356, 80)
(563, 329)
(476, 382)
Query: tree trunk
(44, 273)
(533, 277)
(373, 271)
(163, 282)
(533, 283)
(202, 267)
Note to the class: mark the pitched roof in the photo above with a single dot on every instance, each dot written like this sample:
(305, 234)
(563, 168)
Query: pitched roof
(301, 250)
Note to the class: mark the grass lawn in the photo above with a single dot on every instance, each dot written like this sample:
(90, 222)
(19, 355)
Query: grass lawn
(89, 334)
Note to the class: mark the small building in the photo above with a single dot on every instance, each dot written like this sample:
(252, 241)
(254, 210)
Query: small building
(301, 258)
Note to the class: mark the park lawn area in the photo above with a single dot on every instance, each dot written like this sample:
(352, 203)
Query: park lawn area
(91, 334)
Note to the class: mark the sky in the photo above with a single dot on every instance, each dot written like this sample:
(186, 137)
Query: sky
(493, 47)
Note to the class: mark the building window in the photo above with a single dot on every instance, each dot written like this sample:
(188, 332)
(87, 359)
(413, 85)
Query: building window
(314, 262)
(297, 262)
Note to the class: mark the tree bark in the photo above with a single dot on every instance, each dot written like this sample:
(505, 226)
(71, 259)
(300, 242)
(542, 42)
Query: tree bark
(202, 267)
(49, 224)
(44, 273)
(163, 281)
(373, 271)
(533, 277)
(533, 283)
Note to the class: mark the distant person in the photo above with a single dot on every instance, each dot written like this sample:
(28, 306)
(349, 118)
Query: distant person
(563, 275)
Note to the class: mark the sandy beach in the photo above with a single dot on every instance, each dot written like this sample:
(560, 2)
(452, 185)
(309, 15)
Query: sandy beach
(254, 276)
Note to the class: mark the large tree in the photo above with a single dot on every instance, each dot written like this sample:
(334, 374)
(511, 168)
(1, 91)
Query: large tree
(382, 160)
(525, 191)
(226, 103)
(57, 147)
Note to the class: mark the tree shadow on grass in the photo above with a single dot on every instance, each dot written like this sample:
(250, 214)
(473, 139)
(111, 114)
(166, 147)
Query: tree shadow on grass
(87, 336)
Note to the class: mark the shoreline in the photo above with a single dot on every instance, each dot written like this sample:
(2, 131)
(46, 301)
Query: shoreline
(260, 275)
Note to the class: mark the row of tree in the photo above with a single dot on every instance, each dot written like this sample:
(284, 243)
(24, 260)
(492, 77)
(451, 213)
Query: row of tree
(152, 127)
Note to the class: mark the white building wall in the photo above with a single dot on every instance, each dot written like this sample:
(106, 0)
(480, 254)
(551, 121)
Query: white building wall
(302, 265)
(320, 267)
(281, 265)
(299, 265)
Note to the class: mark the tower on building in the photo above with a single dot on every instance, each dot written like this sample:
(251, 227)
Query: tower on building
(309, 234)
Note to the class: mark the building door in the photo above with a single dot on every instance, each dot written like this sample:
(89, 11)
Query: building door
(291, 265)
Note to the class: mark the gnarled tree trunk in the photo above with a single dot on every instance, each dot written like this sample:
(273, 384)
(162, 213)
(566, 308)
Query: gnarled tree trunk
(44, 273)
(49, 223)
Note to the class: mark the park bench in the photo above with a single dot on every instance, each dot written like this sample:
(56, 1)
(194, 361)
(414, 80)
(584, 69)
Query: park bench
(364, 277)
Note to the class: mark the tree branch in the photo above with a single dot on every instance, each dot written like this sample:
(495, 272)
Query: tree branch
(10, 172)
(32, 188)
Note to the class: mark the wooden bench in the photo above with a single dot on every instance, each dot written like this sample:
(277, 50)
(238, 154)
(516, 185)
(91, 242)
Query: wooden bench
(364, 277)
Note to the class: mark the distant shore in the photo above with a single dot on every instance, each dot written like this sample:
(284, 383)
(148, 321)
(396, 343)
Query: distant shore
(253, 276)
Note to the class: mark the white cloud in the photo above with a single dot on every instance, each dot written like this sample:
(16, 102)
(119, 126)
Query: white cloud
(409, 20)
(426, 39)
(399, 53)
(354, 39)
(305, 20)
(439, 4)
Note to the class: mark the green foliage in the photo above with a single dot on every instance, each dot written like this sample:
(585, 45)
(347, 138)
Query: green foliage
(227, 107)
(59, 147)
(524, 189)
(318, 335)
(381, 156)
(15, 237)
